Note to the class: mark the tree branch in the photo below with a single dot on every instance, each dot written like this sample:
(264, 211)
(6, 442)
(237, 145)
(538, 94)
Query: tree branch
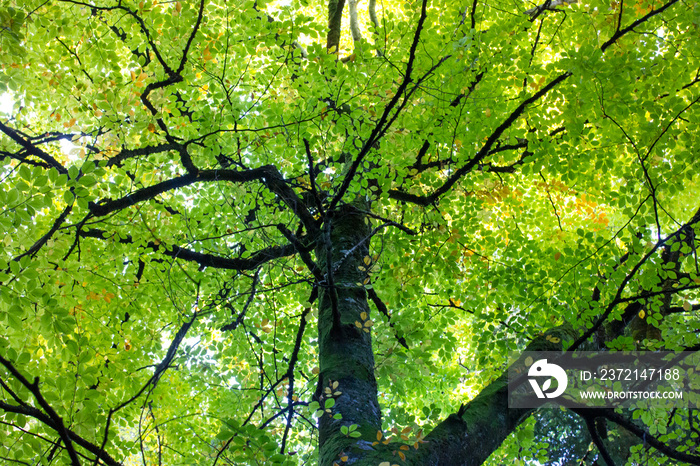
(241, 315)
(381, 307)
(483, 152)
(267, 174)
(204, 260)
(639, 432)
(49, 234)
(31, 149)
(37, 414)
(56, 420)
(590, 424)
(621, 32)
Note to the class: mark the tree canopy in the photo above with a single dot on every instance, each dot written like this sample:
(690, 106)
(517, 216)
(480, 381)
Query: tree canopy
(299, 232)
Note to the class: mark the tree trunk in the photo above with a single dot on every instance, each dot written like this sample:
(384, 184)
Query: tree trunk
(345, 347)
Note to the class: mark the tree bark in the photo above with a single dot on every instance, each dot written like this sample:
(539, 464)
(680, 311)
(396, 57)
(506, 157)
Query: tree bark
(335, 17)
(345, 348)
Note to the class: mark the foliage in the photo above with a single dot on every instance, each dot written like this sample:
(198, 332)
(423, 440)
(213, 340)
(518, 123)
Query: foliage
(190, 187)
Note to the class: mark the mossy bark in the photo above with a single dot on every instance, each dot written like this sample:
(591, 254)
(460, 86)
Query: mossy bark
(345, 343)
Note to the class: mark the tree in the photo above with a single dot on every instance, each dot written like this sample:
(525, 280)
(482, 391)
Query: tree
(226, 218)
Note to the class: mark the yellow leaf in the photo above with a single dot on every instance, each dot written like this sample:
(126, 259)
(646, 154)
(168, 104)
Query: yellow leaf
(528, 361)
(384, 463)
(363, 315)
(403, 447)
(358, 324)
(335, 385)
(687, 306)
(642, 314)
(344, 458)
(488, 112)
(402, 456)
(367, 260)
(379, 435)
